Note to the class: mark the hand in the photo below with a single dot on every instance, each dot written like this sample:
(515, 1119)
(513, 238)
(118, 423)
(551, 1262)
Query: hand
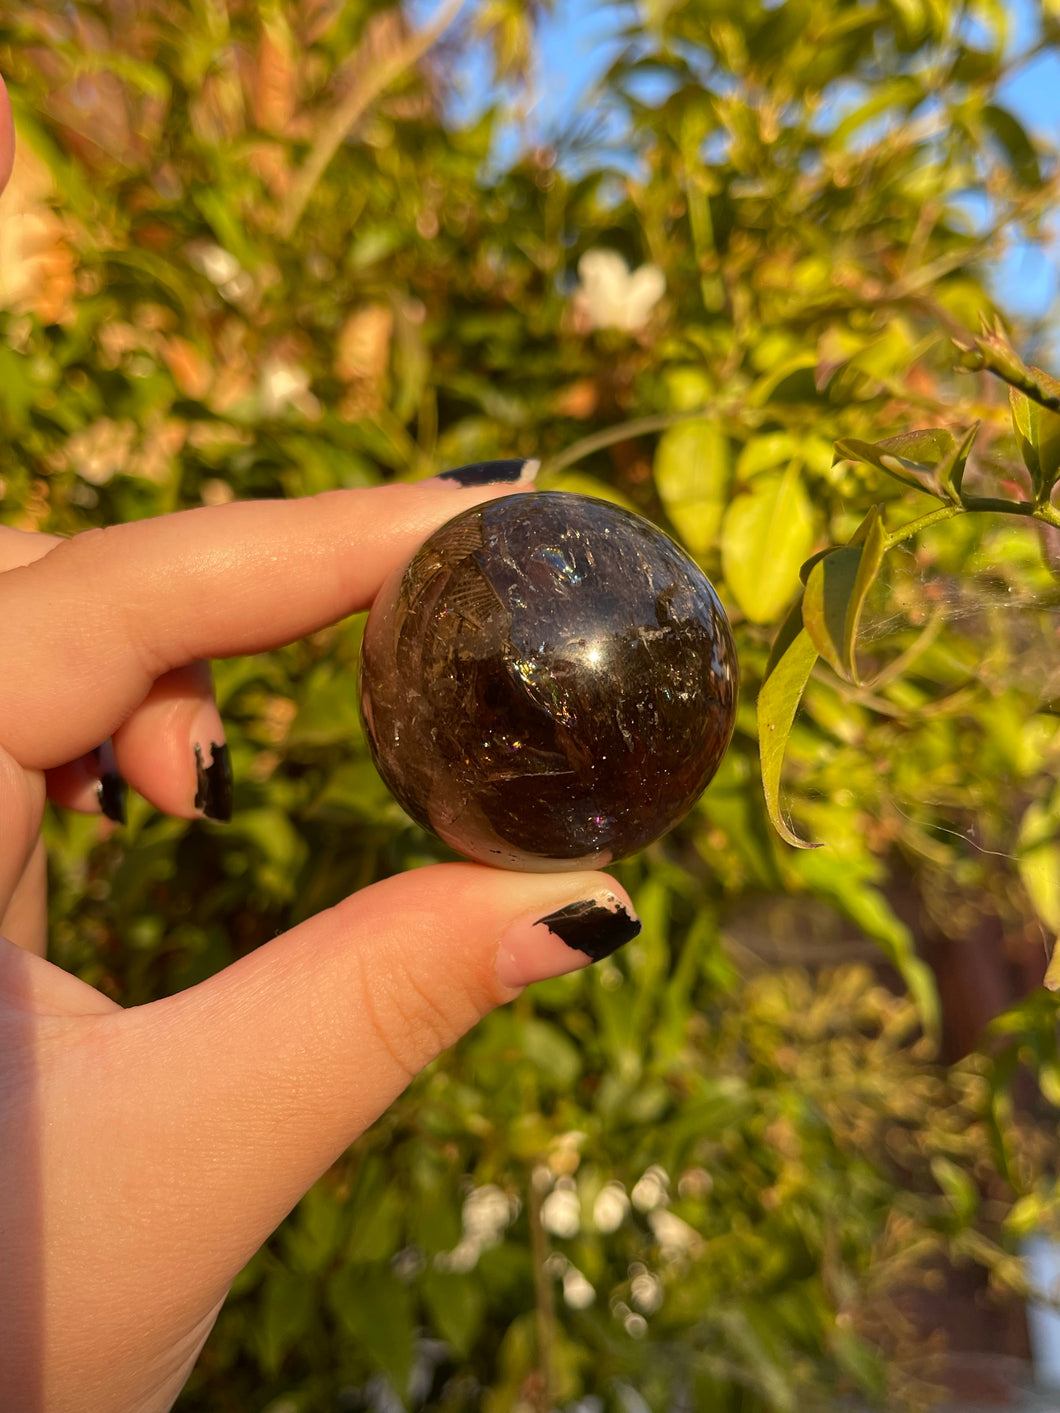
(146, 1153)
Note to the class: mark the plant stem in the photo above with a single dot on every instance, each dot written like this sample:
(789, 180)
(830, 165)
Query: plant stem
(974, 505)
(353, 106)
(933, 517)
(622, 432)
(543, 1297)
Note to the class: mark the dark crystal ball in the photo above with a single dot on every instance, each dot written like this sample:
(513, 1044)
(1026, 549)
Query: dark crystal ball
(550, 684)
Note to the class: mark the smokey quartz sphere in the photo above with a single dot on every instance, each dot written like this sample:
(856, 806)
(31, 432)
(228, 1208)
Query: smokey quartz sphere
(550, 684)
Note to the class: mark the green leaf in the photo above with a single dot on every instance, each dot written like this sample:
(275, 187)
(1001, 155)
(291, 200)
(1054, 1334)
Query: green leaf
(314, 1231)
(221, 216)
(950, 471)
(550, 1051)
(1037, 431)
(972, 65)
(926, 447)
(327, 710)
(377, 1229)
(1012, 136)
(913, 16)
(373, 244)
(902, 92)
(692, 475)
(861, 1361)
(282, 848)
(778, 702)
(1025, 1215)
(957, 1186)
(377, 1310)
(147, 78)
(286, 1313)
(910, 457)
(1038, 862)
(169, 278)
(377, 1221)
(1024, 425)
(456, 1305)
(836, 589)
(787, 633)
(767, 533)
(826, 607)
(785, 380)
(765, 452)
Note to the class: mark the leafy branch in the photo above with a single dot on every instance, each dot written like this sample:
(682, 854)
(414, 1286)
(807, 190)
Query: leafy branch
(364, 92)
(825, 619)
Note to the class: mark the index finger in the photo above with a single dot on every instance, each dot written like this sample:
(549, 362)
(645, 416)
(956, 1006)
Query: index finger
(85, 631)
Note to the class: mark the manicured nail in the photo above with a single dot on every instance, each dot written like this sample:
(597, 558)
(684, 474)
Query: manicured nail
(565, 940)
(213, 770)
(492, 473)
(110, 792)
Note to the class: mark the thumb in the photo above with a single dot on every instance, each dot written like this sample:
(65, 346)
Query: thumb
(252, 1083)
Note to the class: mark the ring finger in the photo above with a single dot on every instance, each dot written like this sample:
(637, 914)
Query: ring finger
(171, 749)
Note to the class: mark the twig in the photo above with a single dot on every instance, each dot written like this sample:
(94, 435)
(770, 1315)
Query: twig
(624, 431)
(543, 1297)
(353, 106)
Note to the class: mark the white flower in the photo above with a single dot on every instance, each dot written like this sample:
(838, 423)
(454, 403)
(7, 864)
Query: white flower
(675, 1237)
(283, 385)
(217, 264)
(487, 1211)
(636, 1326)
(221, 268)
(611, 1207)
(651, 1189)
(577, 1290)
(611, 296)
(647, 1292)
(564, 1155)
(561, 1210)
(463, 1257)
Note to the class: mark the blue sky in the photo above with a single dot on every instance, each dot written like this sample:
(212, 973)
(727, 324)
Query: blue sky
(1028, 279)
(578, 42)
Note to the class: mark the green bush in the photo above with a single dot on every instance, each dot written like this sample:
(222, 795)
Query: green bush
(247, 255)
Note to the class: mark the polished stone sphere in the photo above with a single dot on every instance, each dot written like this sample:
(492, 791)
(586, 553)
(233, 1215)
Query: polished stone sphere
(550, 684)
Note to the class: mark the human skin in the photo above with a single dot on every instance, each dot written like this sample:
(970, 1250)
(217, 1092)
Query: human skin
(146, 1153)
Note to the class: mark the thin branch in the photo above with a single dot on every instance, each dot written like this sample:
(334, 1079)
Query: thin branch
(544, 1308)
(622, 432)
(353, 107)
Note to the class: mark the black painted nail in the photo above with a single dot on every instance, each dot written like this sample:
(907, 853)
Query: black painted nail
(110, 792)
(491, 473)
(110, 789)
(593, 927)
(214, 793)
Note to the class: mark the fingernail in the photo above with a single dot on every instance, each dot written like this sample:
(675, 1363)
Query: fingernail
(110, 792)
(565, 940)
(492, 473)
(213, 770)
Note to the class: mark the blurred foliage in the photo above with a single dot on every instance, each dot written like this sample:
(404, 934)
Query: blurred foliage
(245, 254)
